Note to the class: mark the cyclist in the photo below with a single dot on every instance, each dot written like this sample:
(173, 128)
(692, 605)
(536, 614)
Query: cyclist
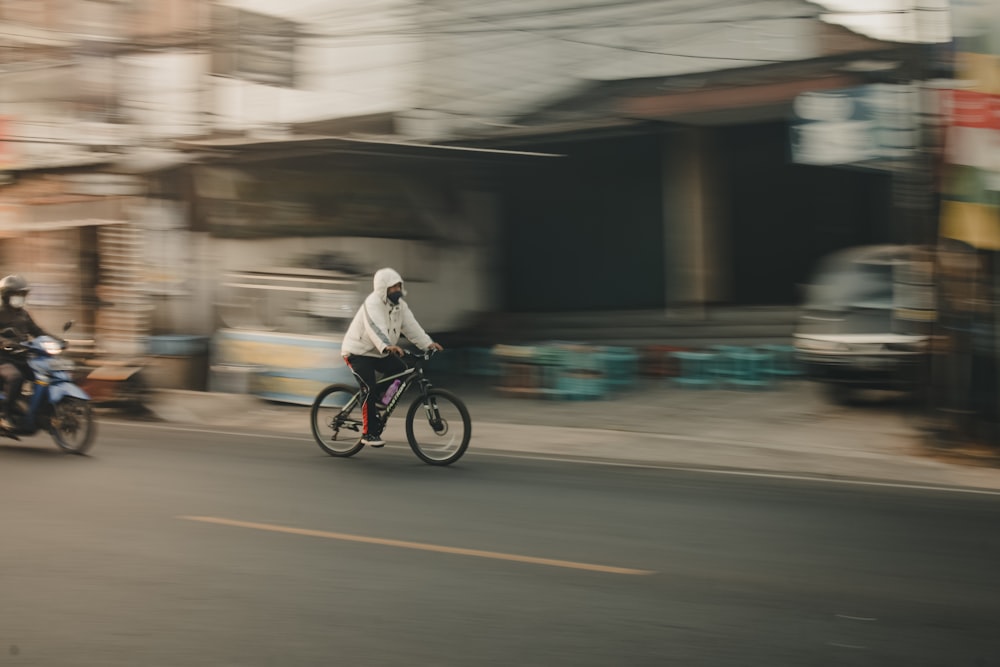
(371, 343)
(13, 294)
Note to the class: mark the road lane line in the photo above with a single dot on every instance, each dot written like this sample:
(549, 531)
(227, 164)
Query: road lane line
(495, 555)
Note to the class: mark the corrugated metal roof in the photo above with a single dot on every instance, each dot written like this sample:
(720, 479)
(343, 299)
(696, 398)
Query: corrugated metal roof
(500, 61)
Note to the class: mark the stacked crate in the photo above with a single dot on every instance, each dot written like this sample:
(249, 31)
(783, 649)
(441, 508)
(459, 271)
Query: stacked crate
(521, 370)
(125, 310)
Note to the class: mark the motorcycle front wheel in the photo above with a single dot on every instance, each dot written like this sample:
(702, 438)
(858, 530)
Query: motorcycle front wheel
(438, 427)
(72, 425)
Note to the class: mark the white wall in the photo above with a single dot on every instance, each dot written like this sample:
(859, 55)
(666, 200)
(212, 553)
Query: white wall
(164, 94)
(444, 284)
(355, 57)
(36, 109)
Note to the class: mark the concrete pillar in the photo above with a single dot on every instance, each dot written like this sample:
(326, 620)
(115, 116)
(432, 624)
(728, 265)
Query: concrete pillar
(693, 209)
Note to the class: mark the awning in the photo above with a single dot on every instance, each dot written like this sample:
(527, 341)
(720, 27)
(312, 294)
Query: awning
(150, 160)
(60, 162)
(8, 231)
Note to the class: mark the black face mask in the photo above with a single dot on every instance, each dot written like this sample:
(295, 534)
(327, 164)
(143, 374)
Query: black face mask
(395, 297)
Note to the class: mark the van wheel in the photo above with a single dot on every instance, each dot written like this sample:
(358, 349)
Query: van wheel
(839, 394)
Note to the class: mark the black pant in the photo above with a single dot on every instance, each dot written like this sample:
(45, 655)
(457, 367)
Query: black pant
(12, 379)
(366, 370)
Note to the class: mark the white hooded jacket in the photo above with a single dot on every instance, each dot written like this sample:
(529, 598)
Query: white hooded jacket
(379, 323)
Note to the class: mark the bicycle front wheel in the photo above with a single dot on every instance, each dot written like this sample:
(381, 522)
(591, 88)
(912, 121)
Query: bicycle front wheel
(336, 420)
(438, 427)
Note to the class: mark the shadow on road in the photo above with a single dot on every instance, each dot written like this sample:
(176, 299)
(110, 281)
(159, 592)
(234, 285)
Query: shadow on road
(15, 449)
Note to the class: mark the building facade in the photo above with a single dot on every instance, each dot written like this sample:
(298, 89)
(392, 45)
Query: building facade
(579, 155)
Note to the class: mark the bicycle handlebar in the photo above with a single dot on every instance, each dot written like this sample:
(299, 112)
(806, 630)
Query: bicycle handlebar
(423, 355)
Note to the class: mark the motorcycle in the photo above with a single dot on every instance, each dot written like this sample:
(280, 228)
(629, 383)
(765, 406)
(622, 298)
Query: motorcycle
(51, 400)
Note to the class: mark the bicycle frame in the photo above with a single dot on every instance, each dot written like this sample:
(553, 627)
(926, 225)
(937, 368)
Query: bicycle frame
(408, 376)
(412, 375)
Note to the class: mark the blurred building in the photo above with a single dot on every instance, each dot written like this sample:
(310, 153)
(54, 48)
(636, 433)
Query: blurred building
(561, 156)
(54, 137)
(677, 187)
(966, 360)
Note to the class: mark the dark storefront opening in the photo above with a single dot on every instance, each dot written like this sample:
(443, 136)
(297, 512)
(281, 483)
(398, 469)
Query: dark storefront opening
(783, 217)
(585, 232)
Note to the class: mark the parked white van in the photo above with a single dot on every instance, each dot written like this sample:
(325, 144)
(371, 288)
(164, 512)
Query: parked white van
(849, 335)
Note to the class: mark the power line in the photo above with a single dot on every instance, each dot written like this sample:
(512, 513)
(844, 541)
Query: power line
(637, 22)
(651, 51)
(880, 12)
(696, 6)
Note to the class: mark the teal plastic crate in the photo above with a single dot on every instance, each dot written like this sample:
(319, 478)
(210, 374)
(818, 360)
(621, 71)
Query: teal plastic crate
(784, 363)
(620, 365)
(750, 368)
(696, 369)
(579, 371)
(578, 384)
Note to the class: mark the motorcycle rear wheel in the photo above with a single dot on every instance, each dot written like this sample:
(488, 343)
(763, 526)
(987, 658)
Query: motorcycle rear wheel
(72, 425)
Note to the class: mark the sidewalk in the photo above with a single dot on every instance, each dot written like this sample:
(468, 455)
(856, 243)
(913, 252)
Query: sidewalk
(788, 430)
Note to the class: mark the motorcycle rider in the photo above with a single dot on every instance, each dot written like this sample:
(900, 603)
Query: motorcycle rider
(371, 346)
(13, 295)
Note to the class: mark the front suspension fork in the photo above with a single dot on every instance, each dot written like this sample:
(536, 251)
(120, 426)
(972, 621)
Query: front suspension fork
(433, 416)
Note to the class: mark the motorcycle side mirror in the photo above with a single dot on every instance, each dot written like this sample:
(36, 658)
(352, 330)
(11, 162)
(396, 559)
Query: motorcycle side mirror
(67, 326)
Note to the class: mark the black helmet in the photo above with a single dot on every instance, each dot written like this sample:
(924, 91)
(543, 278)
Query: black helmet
(13, 284)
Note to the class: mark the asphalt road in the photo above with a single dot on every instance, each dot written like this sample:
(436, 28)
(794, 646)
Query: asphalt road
(172, 546)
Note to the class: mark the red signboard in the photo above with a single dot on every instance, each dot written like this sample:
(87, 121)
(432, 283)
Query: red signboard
(972, 109)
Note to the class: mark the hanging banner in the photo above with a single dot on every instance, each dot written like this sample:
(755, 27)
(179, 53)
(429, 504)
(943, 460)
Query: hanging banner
(875, 126)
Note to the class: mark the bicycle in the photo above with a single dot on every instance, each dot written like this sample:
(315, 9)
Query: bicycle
(440, 437)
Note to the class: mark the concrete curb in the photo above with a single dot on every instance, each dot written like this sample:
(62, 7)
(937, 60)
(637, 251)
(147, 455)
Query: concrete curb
(897, 459)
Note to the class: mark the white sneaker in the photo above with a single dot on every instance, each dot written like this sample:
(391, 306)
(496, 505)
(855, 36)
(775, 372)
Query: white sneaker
(372, 440)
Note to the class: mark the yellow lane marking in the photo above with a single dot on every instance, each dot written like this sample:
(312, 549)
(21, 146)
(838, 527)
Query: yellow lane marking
(609, 569)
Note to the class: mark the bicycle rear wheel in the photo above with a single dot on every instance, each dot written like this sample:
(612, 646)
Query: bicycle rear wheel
(336, 420)
(438, 428)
